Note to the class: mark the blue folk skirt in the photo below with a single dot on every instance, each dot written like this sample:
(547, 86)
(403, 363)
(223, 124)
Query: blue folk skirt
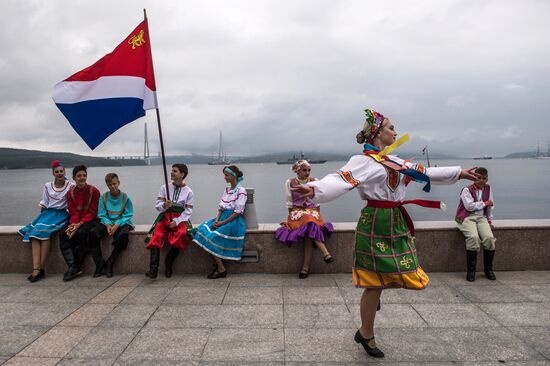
(225, 242)
(45, 224)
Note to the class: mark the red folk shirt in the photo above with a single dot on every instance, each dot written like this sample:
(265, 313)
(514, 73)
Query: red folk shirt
(82, 204)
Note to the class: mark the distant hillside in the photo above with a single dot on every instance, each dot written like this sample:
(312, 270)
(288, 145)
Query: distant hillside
(521, 155)
(29, 159)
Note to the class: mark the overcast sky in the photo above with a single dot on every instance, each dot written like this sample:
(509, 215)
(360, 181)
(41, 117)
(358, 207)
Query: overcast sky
(465, 77)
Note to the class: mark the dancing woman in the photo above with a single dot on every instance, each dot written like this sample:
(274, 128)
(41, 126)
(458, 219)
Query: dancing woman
(384, 254)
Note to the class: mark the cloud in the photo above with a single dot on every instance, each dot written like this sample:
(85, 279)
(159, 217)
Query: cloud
(278, 76)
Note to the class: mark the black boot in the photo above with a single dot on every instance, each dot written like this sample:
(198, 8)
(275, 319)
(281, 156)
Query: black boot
(98, 260)
(110, 263)
(76, 258)
(471, 262)
(488, 256)
(172, 254)
(154, 266)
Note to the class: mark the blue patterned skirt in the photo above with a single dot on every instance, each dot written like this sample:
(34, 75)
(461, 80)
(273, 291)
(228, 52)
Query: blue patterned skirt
(45, 224)
(225, 242)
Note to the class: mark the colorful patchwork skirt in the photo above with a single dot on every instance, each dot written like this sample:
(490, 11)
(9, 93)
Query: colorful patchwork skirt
(225, 242)
(303, 223)
(385, 255)
(45, 224)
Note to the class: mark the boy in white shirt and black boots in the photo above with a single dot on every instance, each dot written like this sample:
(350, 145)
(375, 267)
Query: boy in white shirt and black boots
(474, 217)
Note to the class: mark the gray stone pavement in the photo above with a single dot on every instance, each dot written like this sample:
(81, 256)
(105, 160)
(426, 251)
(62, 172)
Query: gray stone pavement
(265, 319)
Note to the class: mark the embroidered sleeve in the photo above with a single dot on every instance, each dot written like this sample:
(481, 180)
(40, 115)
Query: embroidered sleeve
(241, 201)
(469, 203)
(74, 216)
(186, 214)
(490, 209)
(159, 203)
(444, 175)
(348, 177)
(288, 194)
(45, 199)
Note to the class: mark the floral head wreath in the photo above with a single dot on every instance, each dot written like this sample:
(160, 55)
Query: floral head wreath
(373, 122)
(56, 164)
(299, 165)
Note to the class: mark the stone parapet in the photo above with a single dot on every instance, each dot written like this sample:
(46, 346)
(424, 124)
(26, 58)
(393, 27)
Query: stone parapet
(521, 245)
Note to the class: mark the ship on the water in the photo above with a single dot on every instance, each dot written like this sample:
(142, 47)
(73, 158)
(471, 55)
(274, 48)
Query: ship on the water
(294, 159)
(484, 157)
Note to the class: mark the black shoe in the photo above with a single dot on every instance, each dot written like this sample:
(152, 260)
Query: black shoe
(217, 274)
(109, 269)
(374, 352)
(153, 271)
(72, 273)
(169, 261)
(471, 262)
(38, 277)
(99, 270)
(328, 259)
(303, 274)
(488, 256)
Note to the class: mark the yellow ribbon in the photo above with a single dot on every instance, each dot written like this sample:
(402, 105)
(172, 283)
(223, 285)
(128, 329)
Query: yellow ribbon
(400, 141)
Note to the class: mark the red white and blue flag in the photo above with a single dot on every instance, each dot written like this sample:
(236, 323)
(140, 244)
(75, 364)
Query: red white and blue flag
(111, 93)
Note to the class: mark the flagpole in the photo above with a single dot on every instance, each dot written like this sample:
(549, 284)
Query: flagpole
(161, 140)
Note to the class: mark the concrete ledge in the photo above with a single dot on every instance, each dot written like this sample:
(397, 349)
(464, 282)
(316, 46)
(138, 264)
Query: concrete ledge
(521, 245)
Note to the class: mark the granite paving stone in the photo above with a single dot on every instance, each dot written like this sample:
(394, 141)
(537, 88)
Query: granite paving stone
(32, 361)
(57, 342)
(31, 294)
(201, 281)
(143, 295)
(312, 295)
(327, 345)
(103, 281)
(34, 314)
(537, 292)
(256, 279)
(112, 295)
(130, 280)
(79, 295)
(454, 315)
(153, 362)
(253, 296)
(103, 343)
(317, 316)
(343, 279)
(185, 316)
(250, 316)
(161, 281)
(245, 345)
(519, 314)
(128, 316)
(166, 344)
(452, 344)
(392, 316)
(196, 296)
(88, 315)
(240, 363)
(314, 280)
(524, 277)
(13, 338)
(86, 362)
(496, 294)
(430, 295)
(536, 337)
(459, 279)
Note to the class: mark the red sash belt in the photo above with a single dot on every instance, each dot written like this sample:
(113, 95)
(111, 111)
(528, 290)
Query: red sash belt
(399, 204)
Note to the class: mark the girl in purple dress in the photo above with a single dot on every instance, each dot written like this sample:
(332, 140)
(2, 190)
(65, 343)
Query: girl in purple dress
(304, 222)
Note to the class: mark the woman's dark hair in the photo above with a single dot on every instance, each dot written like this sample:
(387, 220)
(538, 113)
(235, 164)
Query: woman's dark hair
(482, 171)
(182, 168)
(78, 168)
(234, 169)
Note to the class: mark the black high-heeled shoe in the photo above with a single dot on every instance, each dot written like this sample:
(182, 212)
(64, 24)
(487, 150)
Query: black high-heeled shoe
(217, 274)
(372, 351)
(328, 259)
(303, 274)
(38, 277)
